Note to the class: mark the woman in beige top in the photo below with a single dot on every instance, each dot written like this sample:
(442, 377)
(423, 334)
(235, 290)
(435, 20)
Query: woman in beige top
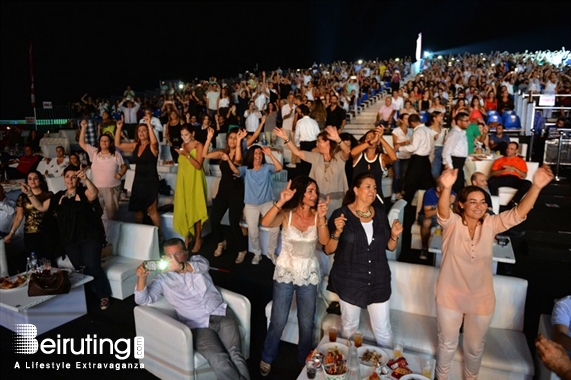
(464, 288)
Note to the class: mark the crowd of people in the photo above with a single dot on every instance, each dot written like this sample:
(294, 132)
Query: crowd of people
(336, 201)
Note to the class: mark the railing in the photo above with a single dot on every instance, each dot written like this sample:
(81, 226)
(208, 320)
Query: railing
(525, 106)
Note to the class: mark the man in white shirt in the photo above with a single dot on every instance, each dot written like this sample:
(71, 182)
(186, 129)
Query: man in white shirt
(211, 99)
(288, 115)
(455, 148)
(397, 99)
(306, 131)
(129, 116)
(188, 287)
(419, 173)
(252, 116)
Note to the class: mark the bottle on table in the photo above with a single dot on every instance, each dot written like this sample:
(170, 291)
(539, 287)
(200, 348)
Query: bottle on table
(33, 261)
(353, 366)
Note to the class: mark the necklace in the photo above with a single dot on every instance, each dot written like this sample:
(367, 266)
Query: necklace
(70, 195)
(364, 215)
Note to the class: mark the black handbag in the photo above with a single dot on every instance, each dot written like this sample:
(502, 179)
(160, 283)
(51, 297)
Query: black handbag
(49, 284)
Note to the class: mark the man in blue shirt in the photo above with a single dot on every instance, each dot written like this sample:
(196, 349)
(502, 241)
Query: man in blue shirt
(427, 215)
(499, 141)
(188, 287)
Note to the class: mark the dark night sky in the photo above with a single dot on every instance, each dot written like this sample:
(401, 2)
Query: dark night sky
(101, 47)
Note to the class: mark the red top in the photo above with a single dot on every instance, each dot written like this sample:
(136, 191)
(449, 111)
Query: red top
(514, 161)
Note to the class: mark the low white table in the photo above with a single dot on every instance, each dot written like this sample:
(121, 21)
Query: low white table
(502, 254)
(414, 361)
(45, 312)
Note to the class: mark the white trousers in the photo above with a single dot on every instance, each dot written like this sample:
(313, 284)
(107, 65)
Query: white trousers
(380, 321)
(475, 329)
(252, 214)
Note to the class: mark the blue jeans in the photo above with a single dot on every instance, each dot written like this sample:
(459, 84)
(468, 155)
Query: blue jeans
(306, 297)
(399, 171)
(437, 161)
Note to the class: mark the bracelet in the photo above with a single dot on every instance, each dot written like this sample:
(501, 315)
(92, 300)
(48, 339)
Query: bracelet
(322, 225)
(278, 207)
(13, 231)
(393, 239)
(336, 238)
(287, 141)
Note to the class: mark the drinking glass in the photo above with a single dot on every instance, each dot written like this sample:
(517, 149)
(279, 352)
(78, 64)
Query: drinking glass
(311, 369)
(358, 339)
(333, 334)
(427, 367)
(398, 349)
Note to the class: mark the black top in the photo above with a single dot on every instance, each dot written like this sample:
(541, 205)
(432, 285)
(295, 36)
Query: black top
(229, 183)
(335, 117)
(360, 274)
(76, 219)
(374, 167)
(145, 189)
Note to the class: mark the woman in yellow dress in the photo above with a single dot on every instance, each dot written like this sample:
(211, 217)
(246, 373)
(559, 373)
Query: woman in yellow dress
(190, 194)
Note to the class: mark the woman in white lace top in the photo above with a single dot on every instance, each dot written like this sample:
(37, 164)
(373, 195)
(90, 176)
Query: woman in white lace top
(302, 217)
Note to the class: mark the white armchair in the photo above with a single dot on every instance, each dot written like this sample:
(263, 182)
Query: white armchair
(169, 352)
(132, 243)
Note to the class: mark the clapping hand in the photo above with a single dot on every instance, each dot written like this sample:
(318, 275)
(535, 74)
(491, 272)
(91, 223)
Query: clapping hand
(322, 208)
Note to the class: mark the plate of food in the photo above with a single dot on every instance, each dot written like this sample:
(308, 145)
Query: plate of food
(371, 356)
(331, 351)
(14, 282)
(414, 376)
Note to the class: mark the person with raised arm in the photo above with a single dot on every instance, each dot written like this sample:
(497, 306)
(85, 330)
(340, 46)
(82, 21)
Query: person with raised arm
(465, 287)
(145, 191)
(302, 217)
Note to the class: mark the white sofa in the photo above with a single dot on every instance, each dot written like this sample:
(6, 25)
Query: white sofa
(291, 331)
(396, 212)
(415, 237)
(506, 193)
(169, 352)
(413, 319)
(546, 328)
(132, 243)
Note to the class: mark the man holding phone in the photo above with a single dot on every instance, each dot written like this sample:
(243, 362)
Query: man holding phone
(188, 287)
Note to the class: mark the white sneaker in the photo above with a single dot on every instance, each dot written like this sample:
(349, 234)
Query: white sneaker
(256, 259)
(394, 198)
(424, 254)
(291, 166)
